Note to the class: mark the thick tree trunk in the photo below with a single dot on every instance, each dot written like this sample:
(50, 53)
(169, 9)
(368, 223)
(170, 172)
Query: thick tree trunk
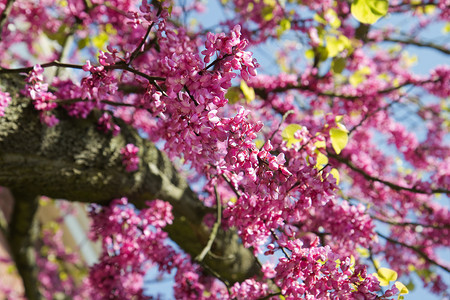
(75, 161)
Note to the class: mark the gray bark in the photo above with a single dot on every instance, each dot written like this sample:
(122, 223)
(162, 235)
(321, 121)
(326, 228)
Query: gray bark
(75, 161)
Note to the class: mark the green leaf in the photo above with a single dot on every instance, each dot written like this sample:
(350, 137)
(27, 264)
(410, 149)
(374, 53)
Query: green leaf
(233, 94)
(333, 18)
(83, 43)
(309, 54)
(100, 40)
(335, 174)
(59, 36)
(410, 286)
(402, 288)
(285, 25)
(369, 11)
(446, 28)
(322, 159)
(288, 134)
(384, 275)
(249, 92)
(267, 13)
(359, 76)
(338, 65)
(363, 252)
(339, 139)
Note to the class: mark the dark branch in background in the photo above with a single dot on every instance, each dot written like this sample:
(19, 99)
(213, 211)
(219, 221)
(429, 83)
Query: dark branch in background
(415, 249)
(75, 161)
(4, 15)
(117, 66)
(392, 185)
(263, 92)
(437, 227)
(22, 235)
(409, 41)
(141, 44)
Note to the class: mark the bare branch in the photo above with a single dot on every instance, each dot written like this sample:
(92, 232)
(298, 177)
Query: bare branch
(415, 249)
(392, 185)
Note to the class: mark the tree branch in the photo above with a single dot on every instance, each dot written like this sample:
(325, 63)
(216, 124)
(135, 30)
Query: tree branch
(75, 161)
(22, 234)
(410, 41)
(392, 185)
(415, 249)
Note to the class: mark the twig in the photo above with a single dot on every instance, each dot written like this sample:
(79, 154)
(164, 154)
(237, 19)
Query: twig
(237, 192)
(446, 226)
(279, 125)
(415, 249)
(392, 185)
(119, 66)
(409, 41)
(274, 235)
(214, 230)
(136, 51)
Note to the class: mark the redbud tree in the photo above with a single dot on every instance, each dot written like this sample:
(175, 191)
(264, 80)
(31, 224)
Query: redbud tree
(291, 150)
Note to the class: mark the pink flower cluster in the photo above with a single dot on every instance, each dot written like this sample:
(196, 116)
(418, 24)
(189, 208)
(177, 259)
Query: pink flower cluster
(130, 158)
(5, 99)
(44, 101)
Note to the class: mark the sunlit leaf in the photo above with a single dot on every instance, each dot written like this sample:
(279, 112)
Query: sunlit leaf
(322, 159)
(320, 144)
(402, 288)
(309, 54)
(100, 40)
(249, 92)
(369, 11)
(385, 275)
(336, 45)
(446, 28)
(335, 174)
(339, 139)
(285, 25)
(288, 134)
(363, 252)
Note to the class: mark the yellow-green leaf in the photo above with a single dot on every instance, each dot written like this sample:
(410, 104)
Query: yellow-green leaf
(322, 159)
(288, 134)
(233, 94)
(359, 76)
(320, 144)
(285, 25)
(309, 54)
(333, 18)
(336, 45)
(446, 28)
(339, 139)
(100, 40)
(259, 144)
(267, 13)
(335, 174)
(249, 92)
(363, 252)
(385, 275)
(338, 65)
(338, 118)
(369, 11)
(402, 288)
